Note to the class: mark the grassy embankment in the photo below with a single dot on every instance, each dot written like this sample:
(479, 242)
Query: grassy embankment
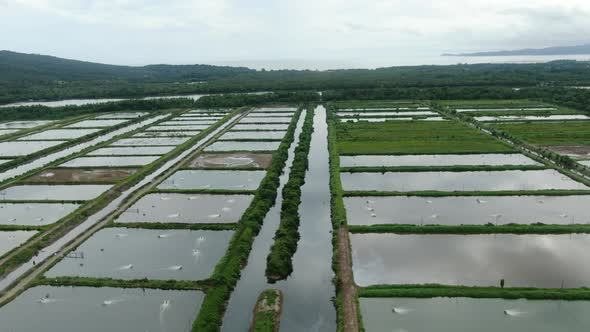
(279, 262)
(267, 313)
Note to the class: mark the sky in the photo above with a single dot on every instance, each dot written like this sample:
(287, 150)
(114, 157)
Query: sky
(286, 33)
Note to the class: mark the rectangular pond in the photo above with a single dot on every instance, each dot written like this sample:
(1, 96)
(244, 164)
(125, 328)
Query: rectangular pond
(12, 239)
(491, 159)
(469, 314)
(34, 214)
(24, 124)
(533, 118)
(96, 123)
(8, 131)
(177, 133)
(544, 261)
(151, 141)
(132, 151)
(231, 160)
(213, 179)
(232, 135)
(64, 175)
(467, 210)
(585, 162)
(72, 309)
(177, 127)
(270, 115)
(187, 208)
(244, 146)
(124, 115)
(110, 161)
(459, 181)
(182, 124)
(60, 134)
(353, 120)
(461, 110)
(53, 192)
(404, 113)
(127, 254)
(266, 120)
(260, 127)
(9, 149)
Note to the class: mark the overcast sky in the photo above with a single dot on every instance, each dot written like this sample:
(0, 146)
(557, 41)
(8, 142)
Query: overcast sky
(311, 32)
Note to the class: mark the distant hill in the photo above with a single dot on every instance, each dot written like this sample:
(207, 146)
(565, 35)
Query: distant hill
(20, 67)
(558, 50)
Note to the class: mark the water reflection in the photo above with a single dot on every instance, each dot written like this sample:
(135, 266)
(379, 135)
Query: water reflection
(551, 261)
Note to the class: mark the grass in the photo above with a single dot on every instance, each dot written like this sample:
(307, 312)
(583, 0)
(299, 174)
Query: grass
(547, 134)
(472, 229)
(267, 313)
(279, 262)
(158, 225)
(430, 291)
(414, 138)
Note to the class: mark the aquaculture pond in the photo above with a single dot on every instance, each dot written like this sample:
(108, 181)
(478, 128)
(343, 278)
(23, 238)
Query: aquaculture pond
(213, 179)
(492, 159)
(270, 114)
(545, 261)
(177, 133)
(96, 123)
(53, 192)
(533, 118)
(8, 131)
(468, 210)
(57, 134)
(64, 175)
(177, 127)
(8, 149)
(459, 181)
(2, 161)
(405, 113)
(24, 124)
(34, 214)
(585, 162)
(130, 151)
(468, 314)
(461, 110)
(231, 160)
(151, 141)
(244, 146)
(182, 124)
(260, 127)
(193, 116)
(187, 208)
(266, 120)
(127, 115)
(12, 239)
(127, 254)
(433, 118)
(110, 161)
(67, 309)
(232, 135)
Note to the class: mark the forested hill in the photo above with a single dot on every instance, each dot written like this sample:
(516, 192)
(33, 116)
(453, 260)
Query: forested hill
(20, 67)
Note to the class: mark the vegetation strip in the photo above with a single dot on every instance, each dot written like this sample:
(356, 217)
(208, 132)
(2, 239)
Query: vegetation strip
(279, 262)
(429, 291)
(160, 225)
(267, 312)
(117, 283)
(227, 272)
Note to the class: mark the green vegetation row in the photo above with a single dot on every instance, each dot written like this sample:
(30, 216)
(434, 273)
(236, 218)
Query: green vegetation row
(228, 270)
(337, 214)
(267, 313)
(474, 168)
(116, 283)
(279, 262)
(430, 291)
(167, 225)
(488, 228)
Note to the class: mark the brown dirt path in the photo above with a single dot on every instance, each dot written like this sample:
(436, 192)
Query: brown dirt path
(349, 290)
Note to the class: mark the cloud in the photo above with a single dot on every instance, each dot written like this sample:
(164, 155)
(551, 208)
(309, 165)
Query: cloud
(187, 31)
